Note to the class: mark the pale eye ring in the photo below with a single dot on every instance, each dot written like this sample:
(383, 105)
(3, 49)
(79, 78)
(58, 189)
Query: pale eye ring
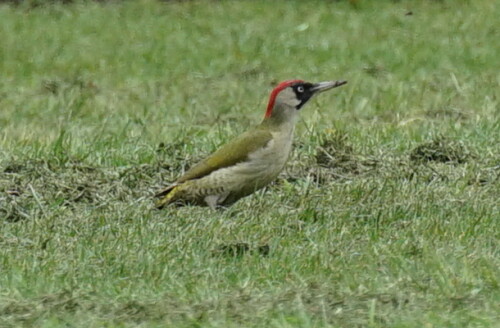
(300, 89)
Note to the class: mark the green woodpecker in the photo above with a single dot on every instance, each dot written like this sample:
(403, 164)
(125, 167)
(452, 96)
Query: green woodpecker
(251, 160)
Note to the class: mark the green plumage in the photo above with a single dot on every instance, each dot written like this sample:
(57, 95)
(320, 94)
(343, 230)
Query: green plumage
(234, 152)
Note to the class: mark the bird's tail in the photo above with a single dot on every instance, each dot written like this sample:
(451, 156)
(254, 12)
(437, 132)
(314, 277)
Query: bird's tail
(167, 196)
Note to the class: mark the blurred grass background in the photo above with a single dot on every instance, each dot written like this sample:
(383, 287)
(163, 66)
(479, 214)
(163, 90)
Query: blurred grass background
(386, 216)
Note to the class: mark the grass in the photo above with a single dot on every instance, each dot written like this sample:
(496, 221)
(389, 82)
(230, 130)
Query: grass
(387, 214)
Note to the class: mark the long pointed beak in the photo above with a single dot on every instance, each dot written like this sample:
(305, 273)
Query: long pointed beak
(323, 86)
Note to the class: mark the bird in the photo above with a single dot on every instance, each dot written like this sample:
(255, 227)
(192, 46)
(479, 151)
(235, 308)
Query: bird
(250, 161)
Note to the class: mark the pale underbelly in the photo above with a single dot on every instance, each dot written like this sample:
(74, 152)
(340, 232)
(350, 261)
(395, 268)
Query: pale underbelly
(231, 184)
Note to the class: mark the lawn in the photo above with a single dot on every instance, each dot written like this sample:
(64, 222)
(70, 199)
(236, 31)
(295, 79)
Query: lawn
(387, 214)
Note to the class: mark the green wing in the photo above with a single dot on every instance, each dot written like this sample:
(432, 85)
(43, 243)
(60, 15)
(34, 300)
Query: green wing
(235, 151)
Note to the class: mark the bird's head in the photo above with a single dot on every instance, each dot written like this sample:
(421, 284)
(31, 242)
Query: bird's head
(289, 96)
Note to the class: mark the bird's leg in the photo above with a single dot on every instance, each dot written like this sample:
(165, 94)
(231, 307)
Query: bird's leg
(215, 201)
(212, 201)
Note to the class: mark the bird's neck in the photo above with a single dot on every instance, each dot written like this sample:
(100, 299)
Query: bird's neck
(287, 126)
(282, 118)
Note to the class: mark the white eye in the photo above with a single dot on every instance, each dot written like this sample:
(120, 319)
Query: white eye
(300, 89)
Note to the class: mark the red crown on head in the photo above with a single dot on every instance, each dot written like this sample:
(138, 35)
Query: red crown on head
(272, 98)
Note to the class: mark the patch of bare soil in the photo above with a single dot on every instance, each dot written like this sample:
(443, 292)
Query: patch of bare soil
(35, 184)
(441, 150)
(336, 158)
